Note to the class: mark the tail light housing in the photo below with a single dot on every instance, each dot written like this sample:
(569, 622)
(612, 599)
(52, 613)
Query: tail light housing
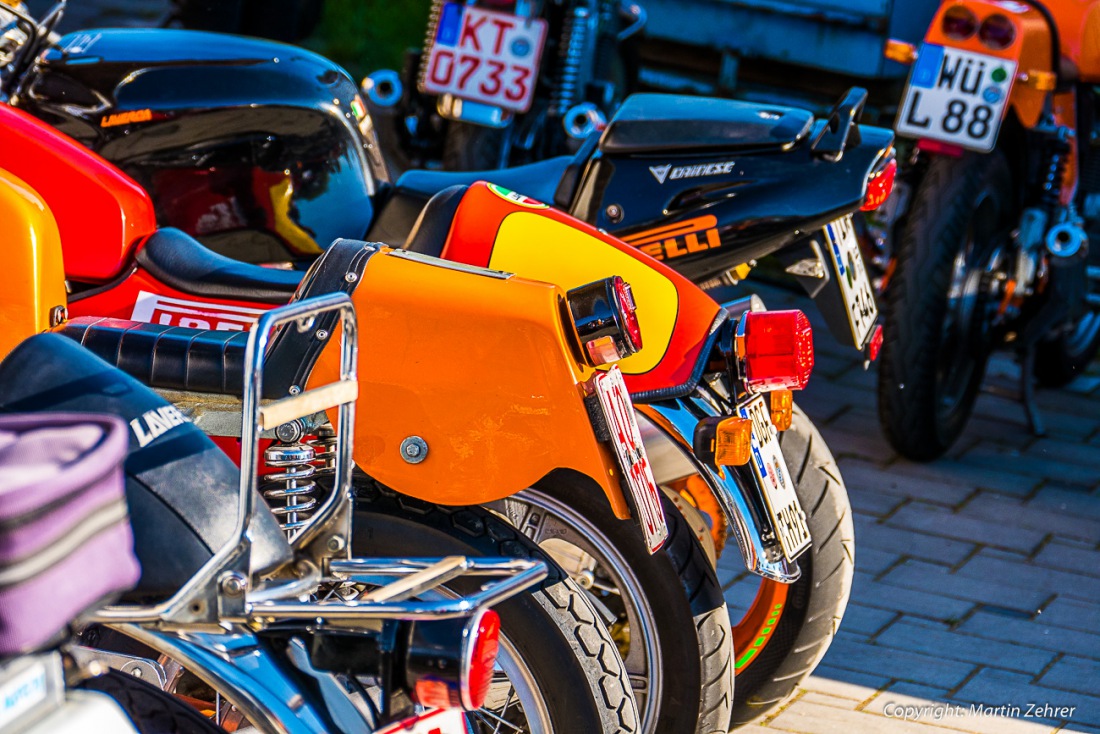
(959, 23)
(997, 32)
(605, 320)
(879, 186)
(449, 663)
(775, 350)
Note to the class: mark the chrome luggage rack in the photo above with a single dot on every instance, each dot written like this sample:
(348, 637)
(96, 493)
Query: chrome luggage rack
(224, 591)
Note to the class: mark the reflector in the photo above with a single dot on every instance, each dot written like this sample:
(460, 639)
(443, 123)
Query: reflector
(879, 187)
(776, 349)
(781, 403)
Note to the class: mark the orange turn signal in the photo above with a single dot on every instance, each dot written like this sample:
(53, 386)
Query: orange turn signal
(900, 51)
(782, 405)
(724, 441)
(1042, 81)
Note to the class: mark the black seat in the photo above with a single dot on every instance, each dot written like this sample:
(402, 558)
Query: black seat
(181, 489)
(536, 180)
(201, 360)
(651, 123)
(179, 260)
(433, 225)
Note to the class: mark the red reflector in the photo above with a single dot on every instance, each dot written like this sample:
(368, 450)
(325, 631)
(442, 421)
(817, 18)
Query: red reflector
(629, 311)
(875, 344)
(879, 187)
(482, 646)
(778, 350)
(935, 146)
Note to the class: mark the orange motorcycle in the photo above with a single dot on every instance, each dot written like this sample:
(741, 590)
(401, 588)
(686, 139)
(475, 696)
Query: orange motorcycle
(992, 250)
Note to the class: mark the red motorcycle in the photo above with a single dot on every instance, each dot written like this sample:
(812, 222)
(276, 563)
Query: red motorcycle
(713, 384)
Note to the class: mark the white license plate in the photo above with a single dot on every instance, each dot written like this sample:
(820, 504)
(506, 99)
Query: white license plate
(434, 722)
(485, 56)
(956, 97)
(771, 469)
(851, 275)
(631, 453)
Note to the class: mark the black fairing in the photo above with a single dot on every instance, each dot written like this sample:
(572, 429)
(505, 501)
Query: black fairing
(262, 150)
(181, 489)
(764, 185)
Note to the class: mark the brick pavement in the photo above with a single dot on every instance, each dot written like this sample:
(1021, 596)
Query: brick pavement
(977, 576)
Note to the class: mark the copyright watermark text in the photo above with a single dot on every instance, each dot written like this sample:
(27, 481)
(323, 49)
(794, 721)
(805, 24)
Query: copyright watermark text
(941, 711)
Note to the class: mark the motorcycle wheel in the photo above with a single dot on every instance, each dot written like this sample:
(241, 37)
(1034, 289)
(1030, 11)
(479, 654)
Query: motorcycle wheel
(1067, 355)
(469, 147)
(787, 628)
(671, 621)
(938, 315)
(152, 710)
(563, 669)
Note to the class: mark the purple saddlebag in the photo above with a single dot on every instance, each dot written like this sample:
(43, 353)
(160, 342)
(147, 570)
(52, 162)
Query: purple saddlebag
(65, 540)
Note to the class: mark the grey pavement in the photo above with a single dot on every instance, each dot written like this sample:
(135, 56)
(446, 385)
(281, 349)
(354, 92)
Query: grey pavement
(977, 576)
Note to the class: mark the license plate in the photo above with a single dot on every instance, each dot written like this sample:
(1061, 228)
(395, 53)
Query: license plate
(485, 56)
(631, 454)
(956, 97)
(29, 688)
(851, 274)
(433, 722)
(771, 469)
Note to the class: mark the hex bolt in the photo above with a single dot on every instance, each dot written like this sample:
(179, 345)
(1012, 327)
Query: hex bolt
(351, 277)
(414, 449)
(321, 335)
(336, 544)
(233, 584)
(614, 213)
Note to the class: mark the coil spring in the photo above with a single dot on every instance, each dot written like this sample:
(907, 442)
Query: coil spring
(1059, 149)
(574, 39)
(289, 493)
(325, 446)
(429, 39)
(607, 46)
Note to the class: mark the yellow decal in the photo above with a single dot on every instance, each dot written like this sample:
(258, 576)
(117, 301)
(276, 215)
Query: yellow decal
(535, 247)
(126, 118)
(676, 240)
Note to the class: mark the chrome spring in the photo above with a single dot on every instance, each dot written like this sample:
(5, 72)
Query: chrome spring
(289, 493)
(574, 38)
(1058, 160)
(325, 446)
(429, 39)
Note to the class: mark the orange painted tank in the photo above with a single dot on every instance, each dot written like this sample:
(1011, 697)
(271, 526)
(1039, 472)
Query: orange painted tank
(478, 365)
(34, 277)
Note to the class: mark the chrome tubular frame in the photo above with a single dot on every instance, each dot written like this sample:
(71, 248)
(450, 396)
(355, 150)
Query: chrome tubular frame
(739, 498)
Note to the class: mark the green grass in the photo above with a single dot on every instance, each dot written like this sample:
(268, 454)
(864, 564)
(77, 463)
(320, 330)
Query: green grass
(364, 36)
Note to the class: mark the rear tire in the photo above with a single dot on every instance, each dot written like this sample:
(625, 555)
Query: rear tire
(935, 349)
(1060, 359)
(814, 605)
(554, 628)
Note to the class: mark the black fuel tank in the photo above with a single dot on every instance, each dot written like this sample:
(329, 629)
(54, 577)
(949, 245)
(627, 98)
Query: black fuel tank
(262, 150)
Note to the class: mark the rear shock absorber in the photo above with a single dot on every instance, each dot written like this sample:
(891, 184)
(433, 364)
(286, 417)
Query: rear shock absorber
(289, 492)
(571, 55)
(1058, 152)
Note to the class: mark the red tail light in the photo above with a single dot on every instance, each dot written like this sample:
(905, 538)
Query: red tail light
(875, 345)
(776, 349)
(879, 187)
(997, 32)
(605, 320)
(449, 663)
(959, 23)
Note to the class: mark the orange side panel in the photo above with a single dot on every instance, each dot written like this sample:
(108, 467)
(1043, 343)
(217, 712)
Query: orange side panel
(34, 277)
(481, 369)
(1079, 34)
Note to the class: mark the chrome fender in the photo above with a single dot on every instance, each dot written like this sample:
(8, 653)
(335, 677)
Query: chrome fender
(668, 429)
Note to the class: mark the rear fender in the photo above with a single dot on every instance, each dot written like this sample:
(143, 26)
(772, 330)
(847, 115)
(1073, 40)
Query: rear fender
(34, 283)
(480, 367)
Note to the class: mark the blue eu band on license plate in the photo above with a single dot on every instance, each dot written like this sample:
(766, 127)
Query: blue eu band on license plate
(450, 22)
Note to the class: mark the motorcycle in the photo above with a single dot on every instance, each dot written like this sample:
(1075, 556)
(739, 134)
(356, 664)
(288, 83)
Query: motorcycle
(502, 83)
(709, 186)
(537, 665)
(993, 250)
(171, 280)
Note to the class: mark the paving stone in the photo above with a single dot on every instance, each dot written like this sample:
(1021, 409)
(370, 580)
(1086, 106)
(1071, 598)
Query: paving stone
(1008, 511)
(1074, 674)
(1000, 687)
(922, 601)
(870, 502)
(865, 620)
(1019, 462)
(921, 575)
(873, 560)
(977, 477)
(927, 546)
(1071, 614)
(855, 436)
(939, 521)
(1030, 578)
(850, 652)
(1073, 500)
(823, 699)
(1073, 453)
(849, 684)
(1031, 632)
(905, 635)
(813, 718)
(860, 475)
